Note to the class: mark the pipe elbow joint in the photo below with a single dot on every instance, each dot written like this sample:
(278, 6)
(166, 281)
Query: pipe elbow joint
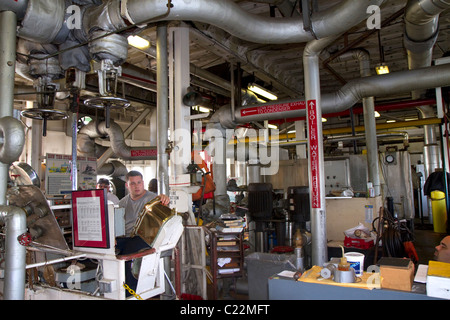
(13, 139)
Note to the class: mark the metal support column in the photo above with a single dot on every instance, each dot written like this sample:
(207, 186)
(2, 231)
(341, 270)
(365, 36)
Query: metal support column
(8, 25)
(162, 109)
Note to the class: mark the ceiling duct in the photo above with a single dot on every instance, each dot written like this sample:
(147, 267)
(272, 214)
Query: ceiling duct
(86, 144)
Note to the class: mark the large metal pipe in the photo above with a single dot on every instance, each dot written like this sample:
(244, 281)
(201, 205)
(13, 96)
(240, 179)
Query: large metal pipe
(86, 144)
(316, 171)
(230, 17)
(369, 118)
(15, 254)
(421, 30)
(344, 98)
(162, 75)
(8, 24)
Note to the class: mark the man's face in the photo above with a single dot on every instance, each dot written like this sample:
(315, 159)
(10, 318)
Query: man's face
(442, 252)
(136, 187)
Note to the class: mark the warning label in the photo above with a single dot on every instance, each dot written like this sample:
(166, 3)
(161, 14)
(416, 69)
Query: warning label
(274, 108)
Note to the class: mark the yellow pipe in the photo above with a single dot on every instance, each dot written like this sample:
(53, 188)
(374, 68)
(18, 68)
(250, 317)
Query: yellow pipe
(380, 126)
(402, 124)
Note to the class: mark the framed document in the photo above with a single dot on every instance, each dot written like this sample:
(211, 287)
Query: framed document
(90, 219)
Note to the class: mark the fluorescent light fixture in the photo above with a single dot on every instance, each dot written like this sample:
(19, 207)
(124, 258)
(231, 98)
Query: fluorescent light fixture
(138, 42)
(272, 126)
(262, 91)
(390, 121)
(377, 114)
(201, 109)
(292, 131)
(382, 68)
(324, 120)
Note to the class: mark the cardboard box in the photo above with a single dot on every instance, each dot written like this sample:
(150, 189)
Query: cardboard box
(396, 273)
(438, 280)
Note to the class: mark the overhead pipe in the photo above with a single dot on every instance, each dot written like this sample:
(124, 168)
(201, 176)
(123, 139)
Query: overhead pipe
(109, 152)
(369, 117)
(228, 16)
(97, 130)
(344, 98)
(421, 31)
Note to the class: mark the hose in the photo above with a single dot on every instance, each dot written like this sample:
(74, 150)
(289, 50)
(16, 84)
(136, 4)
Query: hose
(393, 235)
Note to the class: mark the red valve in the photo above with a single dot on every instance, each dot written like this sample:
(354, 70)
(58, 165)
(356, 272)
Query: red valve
(25, 239)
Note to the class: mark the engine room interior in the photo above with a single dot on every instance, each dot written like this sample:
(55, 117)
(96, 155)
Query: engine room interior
(158, 171)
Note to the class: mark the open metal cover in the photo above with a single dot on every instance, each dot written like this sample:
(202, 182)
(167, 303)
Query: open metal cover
(150, 220)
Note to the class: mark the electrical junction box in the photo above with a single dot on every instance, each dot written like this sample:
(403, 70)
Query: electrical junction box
(438, 280)
(396, 273)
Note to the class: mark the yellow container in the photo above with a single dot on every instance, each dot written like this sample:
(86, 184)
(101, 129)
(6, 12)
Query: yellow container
(439, 210)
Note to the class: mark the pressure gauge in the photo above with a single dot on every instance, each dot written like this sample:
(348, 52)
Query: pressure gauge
(389, 158)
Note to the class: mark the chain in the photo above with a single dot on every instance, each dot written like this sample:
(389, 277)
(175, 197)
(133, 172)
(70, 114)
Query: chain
(131, 291)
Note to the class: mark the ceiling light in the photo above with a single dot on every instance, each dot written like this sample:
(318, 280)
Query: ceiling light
(201, 109)
(382, 68)
(324, 120)
(138, 42)
(262, 91)
(272, 126)
(377, 114)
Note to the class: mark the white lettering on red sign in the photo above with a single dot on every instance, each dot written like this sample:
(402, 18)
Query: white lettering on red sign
(273, 108)
(144, 153)
(314, 153)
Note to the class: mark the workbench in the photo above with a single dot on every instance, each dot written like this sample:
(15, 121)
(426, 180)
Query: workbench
(283, 288)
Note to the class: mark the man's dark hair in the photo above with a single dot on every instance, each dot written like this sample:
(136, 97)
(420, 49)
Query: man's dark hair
(103, 181)
(133, 173)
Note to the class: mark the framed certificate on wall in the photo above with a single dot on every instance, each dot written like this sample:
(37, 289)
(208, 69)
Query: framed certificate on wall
(90, 219)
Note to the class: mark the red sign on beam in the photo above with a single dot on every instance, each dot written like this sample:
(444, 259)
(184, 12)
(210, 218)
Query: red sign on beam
(314, 153)
(144, 152)
(273, 108)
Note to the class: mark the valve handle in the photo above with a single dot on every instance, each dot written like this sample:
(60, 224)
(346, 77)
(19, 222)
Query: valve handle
(25, 239)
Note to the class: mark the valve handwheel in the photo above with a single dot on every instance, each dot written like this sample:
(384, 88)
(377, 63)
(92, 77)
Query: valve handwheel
(25, 239)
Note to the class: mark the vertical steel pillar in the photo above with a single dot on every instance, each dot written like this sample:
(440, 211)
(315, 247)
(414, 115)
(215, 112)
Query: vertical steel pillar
(315, 150)
(8, 25)
(162, 109)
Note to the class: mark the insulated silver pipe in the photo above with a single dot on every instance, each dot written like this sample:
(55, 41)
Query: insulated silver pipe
(421, 31)
(19, 7)
(92, 130)
(344, 98)
(369, 118)
(230, 17)
(15, 255)
(162, 75)
(8, 24)
(316, 171)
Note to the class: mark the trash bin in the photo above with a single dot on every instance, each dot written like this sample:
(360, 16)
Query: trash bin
(439, 211)
(261, 266)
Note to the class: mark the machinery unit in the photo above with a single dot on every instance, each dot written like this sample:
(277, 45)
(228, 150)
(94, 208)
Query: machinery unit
(91, 269)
